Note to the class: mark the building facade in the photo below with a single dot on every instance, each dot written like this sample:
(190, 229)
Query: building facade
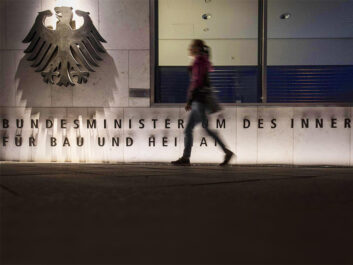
(128, 110)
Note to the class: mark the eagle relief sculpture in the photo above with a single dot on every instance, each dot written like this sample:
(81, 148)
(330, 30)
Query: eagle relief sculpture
(65, 54)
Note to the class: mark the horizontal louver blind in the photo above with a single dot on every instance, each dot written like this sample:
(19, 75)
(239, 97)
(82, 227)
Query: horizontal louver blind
(302, 84)
(231, 84)
(286, 84)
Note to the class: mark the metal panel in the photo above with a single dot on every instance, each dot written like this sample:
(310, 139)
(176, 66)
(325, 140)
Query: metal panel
(310, 84)
(231, 83)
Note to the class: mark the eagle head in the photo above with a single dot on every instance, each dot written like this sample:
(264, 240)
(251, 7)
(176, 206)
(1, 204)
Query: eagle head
(64, 14)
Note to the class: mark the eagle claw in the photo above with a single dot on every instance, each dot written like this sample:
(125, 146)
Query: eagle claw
(48, 77)
(81, 76)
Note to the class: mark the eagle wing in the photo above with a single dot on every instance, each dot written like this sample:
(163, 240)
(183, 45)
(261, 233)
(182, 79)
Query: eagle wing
(43, 42)
(87, 42)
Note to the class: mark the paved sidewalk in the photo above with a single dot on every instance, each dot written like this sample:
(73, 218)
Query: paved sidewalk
(158, 214)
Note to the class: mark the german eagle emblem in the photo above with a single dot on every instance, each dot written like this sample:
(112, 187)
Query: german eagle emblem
(64, 55)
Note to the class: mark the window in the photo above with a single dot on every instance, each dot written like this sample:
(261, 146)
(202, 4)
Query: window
(307, 49)
(229, 27)
(310, 51)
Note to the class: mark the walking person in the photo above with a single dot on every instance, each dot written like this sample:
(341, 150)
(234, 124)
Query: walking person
(200, 101)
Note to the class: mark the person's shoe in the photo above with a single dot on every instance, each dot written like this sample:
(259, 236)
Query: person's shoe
(181, 162)
(227, 158)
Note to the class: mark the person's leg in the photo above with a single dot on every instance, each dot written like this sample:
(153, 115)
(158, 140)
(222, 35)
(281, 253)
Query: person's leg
(210, 132)
(216, 137)
(228, 154)
(193, 120)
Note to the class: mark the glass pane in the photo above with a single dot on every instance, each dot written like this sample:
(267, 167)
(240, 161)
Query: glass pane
(310, 51)
(229, 27)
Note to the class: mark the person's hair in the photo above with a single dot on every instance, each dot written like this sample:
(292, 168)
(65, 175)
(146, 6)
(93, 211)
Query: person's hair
(202, 47)
(207, 51)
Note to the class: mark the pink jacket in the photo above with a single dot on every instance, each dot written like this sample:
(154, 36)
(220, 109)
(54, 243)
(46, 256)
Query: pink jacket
(199, 71)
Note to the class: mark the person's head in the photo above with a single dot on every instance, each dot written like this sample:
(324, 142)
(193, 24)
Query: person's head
(198, 47)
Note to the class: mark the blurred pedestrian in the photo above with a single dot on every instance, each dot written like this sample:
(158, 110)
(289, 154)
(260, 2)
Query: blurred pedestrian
(200, 101)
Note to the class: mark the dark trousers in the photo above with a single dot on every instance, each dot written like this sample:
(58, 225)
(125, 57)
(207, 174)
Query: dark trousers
(198, 114)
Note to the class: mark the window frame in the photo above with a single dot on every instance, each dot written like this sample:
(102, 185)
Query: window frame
(262, 64)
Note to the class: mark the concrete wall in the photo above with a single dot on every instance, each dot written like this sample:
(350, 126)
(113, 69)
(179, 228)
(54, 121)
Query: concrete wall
(125, 25)
(259, 143)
